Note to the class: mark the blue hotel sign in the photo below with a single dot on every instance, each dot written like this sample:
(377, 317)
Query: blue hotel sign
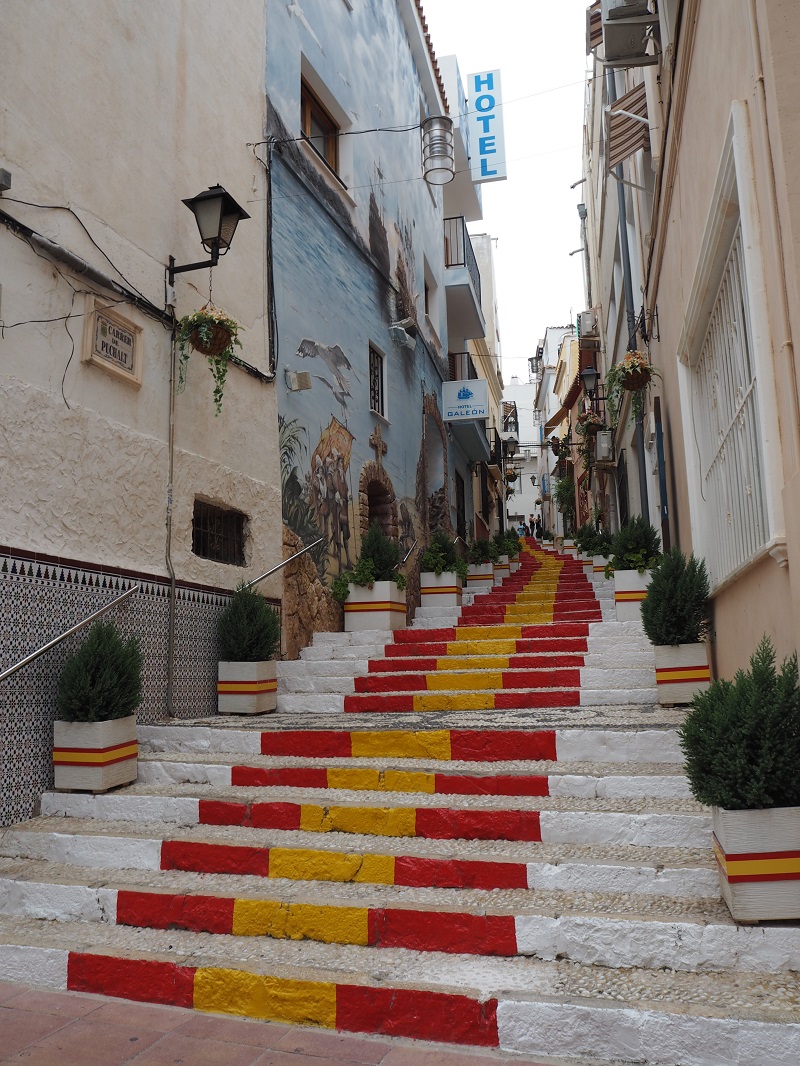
(486, 135)
(465, 401)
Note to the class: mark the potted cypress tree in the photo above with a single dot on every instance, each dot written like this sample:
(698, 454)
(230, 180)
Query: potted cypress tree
(373, 592)
(442, 572)
(675, 616)
(249, 633)
(94, 736)
(741, 740)
(635, 549)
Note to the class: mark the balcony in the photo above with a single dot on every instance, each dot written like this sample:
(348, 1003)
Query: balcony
(462, 281)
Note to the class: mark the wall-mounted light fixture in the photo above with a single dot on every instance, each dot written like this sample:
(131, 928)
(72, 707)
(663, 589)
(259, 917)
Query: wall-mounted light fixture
(217, 215)
(589, 378)
(438, 150)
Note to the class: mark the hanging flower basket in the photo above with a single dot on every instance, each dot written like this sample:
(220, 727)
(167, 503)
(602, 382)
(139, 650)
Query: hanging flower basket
(215, 335)
(636, 379)
(211, 341)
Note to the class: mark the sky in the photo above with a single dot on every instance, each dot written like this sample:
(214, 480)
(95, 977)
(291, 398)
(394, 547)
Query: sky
(539, 48)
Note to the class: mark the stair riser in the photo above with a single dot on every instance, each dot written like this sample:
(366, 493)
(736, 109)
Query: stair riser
(618, 943)
(582, 787)
(298, 864)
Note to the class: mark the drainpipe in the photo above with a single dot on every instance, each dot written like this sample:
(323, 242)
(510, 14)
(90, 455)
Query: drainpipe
(629, 306)
(168, 546)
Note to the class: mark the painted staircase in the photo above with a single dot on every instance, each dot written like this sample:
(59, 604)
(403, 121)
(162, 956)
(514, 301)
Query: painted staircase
(482, 837)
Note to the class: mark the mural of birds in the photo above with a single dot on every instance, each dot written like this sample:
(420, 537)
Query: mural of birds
(336, 362)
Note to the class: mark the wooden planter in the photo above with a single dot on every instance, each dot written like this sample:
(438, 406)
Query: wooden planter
(480, 576)
(630, 588)
(246, 688)
(443, 590)
(682, 670)
(95, 756)
(381, 607)
(502, 568)
(758, 855)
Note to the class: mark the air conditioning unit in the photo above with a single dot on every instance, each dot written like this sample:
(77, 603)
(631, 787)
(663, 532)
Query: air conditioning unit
(298, 380)
(628, 27)
(587, 323)
(401, 337)
(603, 448)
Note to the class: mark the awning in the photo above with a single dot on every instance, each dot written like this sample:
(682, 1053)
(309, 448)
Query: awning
(594, 27)
(627, 126)
(573, 393)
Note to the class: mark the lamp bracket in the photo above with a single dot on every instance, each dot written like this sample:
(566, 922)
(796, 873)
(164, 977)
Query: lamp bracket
(172, 270)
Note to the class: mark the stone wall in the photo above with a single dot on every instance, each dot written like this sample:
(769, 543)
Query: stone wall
(308, 605)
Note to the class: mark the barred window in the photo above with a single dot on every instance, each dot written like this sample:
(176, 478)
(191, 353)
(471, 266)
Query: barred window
(218, 534)
(376, 381)
(726, 421)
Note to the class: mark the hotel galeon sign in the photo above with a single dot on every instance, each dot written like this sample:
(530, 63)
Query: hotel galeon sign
(465, 401)
(114, 344)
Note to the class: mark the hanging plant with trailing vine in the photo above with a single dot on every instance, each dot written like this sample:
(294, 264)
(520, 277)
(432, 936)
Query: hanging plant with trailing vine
(215, 335)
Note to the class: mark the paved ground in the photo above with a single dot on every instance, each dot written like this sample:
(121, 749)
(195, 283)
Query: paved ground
(44, 1028)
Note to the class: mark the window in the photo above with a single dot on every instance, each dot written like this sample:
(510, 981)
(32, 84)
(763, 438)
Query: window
(376, 382)
(726, 421)
(218, 534)
(319, 127)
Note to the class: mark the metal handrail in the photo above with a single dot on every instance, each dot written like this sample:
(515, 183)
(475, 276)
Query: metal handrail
(410, 550)
(73, 629)
(285, 562)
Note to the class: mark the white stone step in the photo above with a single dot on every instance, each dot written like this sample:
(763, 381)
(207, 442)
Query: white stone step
(543, 1008)
(310, 703)
(315, 683)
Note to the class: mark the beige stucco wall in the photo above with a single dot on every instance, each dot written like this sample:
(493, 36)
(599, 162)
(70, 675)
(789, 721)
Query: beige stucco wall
(119, 111)
(724, 70)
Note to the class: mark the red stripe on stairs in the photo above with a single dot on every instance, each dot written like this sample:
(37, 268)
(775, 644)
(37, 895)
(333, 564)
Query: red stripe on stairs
(214, 858)
(496, 785)
(144, 980)
(489, 745)
(472, 934)
(155, 910)
(289, 776)
(412, 872)
(223, 812)
(418, 1015)
(436, 823)
(316, 743)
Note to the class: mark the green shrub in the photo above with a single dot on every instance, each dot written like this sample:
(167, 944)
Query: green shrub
(676, 607)
(249, 629)
(585, 538)
(442, 556)
(483, 551)
(564, 495)
(635, 546)
(379, 561)
(102, 680)
(742, 737)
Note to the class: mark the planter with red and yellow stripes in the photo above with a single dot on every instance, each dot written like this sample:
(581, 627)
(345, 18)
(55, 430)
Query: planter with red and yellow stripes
(480, 576)
(682, 670)
(95, 756)
(247, 688)
(381, 607)
(758, 855)
(440, 590)
(630, 588)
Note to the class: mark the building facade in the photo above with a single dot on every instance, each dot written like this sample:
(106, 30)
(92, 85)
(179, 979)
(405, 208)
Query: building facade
(110, 477)
(692, 216)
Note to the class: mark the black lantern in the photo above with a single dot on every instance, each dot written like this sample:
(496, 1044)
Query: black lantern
(589, 378)
(217, 215)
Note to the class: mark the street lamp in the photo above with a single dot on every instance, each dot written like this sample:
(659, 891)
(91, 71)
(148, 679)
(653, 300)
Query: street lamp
(589, 378)
(438, 150)
(217, 215)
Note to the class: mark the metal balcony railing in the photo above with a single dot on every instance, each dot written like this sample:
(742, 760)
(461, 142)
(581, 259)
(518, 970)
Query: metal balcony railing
(458, 250)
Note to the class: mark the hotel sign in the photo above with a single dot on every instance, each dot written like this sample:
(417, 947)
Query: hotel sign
(465, 401)
(486, 135)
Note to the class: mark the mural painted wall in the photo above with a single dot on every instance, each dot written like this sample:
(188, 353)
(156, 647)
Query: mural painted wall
(351, 255)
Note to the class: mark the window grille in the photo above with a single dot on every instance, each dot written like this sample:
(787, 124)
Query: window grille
(727, 427)
(376, 381)
(218, 534)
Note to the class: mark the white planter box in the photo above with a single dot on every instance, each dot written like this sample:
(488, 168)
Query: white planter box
(441, 591)
(514, 563)
(586, 563)
(502, 569)
(630, 588)
(381, 607)
(95, 756)
(569, 548)
(599, 563)
(755, 886)
(480, 576)
(246, 688)
(681, 671)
